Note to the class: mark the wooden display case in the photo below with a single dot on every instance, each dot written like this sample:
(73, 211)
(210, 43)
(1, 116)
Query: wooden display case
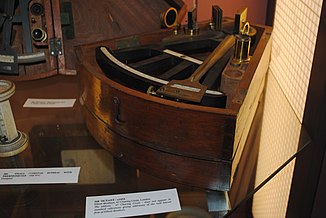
(194, 144)
(38, 36)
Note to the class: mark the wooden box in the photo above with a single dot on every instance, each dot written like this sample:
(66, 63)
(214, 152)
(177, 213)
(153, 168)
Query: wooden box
(188, 143)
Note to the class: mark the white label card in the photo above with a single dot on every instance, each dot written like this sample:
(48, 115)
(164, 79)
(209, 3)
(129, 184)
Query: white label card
(39, 175)
(133, 204)
(49, 103)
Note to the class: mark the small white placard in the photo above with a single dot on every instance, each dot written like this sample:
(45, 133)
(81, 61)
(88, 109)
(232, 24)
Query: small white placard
(133, 204)
(49, 103)
(39, 175)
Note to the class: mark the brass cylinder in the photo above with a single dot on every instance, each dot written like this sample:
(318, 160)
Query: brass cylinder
(242, 49)
(39, 35)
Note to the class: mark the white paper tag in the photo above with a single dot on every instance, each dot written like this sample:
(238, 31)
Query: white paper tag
(39, 175)
(133, 204)
(49, 103)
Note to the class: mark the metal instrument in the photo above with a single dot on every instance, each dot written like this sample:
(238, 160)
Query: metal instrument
(192, 27)
(190, 89)
(9, 59)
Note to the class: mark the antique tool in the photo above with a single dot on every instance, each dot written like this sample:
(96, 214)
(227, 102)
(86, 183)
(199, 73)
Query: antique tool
(9, 59)
(12, 142)
(39, 35)
(189, 139)
(192, 27)
(249, 31)
(242, 49)
(190, 89)
(242, 26)
(240, 20)
(142, 67)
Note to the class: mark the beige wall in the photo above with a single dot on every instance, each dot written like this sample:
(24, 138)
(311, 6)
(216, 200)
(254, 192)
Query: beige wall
(293, 45)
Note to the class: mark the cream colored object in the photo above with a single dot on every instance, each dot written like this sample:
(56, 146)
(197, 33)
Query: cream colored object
(278, 142)
(7, 123)
(12, 142)
(293, 45)
(249, 107)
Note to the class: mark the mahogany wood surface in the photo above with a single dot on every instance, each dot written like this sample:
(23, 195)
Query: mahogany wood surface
(187, 143)
(169, 127)
(191, 171)
(93, 21)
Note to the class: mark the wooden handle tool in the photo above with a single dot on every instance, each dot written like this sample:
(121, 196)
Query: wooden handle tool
(190, 89)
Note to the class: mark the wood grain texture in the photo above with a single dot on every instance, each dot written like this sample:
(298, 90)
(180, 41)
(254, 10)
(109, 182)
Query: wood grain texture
(191, 171)
(161, 136)
(93, 21)
(160, 124)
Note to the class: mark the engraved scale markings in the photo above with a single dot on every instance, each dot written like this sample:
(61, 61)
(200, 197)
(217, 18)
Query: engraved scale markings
(188, 88)
(182, 56)
(7, 58)
(136, 72)
(3, 130)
